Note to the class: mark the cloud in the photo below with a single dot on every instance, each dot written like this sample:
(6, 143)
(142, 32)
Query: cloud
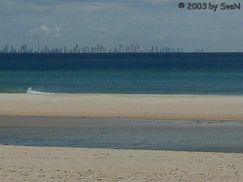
(44, 31)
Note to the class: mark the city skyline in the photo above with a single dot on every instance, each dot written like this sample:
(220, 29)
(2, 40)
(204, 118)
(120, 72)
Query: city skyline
(98, 48)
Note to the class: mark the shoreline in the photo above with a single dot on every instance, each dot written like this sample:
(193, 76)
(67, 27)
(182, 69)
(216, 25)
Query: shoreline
(114, 149)
(18, 163)
(132, 106)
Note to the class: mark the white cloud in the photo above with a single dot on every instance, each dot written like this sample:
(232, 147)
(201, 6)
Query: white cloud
(44, 31)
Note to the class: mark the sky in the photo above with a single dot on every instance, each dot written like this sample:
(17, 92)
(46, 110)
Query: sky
(113, 22)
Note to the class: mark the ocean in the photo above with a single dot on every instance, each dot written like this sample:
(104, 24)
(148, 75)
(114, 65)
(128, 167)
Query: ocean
(170, 73)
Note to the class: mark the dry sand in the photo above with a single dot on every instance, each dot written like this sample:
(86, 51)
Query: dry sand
(175, 107)
(18, 164)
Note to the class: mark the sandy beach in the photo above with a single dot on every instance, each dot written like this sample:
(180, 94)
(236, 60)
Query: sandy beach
(19, 163)
(69, 164)
(173, 107)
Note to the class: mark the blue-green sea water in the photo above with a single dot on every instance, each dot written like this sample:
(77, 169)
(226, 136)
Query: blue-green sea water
(188, 73)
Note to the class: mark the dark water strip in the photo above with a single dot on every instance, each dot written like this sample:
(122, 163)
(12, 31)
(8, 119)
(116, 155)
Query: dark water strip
(204, 136)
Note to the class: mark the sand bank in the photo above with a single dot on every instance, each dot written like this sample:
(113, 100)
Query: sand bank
(68, 164)
(175, 107)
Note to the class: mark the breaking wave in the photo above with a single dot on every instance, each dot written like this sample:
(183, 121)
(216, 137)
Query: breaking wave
(30, 91)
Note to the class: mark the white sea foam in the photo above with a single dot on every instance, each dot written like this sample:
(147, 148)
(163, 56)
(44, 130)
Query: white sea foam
(30, 91)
